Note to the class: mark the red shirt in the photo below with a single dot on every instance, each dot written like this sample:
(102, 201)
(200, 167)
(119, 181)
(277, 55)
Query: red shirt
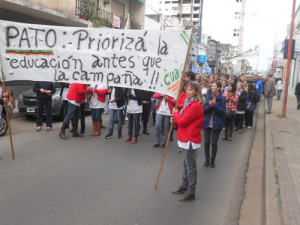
(190, 123)
(171, 101)
(100, 94)
(77, 92)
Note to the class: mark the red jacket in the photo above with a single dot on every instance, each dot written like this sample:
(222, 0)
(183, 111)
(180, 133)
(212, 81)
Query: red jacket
(171, 101)
(77, 92)
(190, 123)
(181, 100)
(101, 94)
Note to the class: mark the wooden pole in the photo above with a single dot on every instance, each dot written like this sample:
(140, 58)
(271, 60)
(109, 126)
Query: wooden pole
(172, 123)
(289, 61)
(8, 123)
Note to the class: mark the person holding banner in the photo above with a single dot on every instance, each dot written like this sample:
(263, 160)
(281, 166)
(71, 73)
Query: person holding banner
(163, 115)
(97, 105)
(75, 97)
(189, 123)
(134, 112)
(44, 91)
(116, 103)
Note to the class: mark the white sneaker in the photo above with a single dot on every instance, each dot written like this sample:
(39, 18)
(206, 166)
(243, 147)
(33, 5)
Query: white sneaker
(249, 127)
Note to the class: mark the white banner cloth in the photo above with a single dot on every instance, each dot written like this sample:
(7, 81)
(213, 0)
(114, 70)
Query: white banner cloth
(147, 60)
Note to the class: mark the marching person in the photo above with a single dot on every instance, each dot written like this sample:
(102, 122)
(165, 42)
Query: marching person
(146, 102)
(163, 115)
(189, 123)
(241, 108)
(270, 92)
(75, 97)
(3, 98)
(134, 112)
(214, 108)
(116, 103)
(279, 88)
(250, 105)
(65, 87)
(232, 99)
(297, 93)
(97, 104)
(44, 91)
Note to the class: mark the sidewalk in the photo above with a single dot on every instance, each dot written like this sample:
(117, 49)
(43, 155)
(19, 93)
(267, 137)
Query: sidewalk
(282, 175)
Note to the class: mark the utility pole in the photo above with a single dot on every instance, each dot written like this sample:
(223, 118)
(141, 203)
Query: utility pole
(289, 60)
(273, 62)
(201, 11)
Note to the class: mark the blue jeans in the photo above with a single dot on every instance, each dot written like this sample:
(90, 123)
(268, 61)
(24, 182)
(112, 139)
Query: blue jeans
(136, 119)
(73, 114)
(97, 114)
(166, 127)
(112, 113)
(278, 94)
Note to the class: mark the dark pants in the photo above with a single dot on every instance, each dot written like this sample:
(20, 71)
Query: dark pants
(239, 121)
(189, 178)
(249, 118)
(82, 116)
(228, 126)
(212, 136)
(146, 114)
(73, 114)
(298, 101)
(153, 104)
(136, 120)
(41, 104)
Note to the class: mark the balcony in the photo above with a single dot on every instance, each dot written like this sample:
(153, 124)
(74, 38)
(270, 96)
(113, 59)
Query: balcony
(87, 10)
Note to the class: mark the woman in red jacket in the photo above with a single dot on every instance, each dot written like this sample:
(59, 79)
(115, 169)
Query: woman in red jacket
(189, 123)
(97, 105)
(75, 97)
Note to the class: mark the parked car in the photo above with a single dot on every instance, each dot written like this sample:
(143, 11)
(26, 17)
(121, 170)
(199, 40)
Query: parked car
(3, 120)
(27, 104)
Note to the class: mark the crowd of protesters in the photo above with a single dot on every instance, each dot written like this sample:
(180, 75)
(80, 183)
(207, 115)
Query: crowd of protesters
(209, 103)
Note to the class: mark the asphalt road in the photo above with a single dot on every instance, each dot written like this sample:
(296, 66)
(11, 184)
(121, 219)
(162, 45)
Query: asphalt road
(91, 180)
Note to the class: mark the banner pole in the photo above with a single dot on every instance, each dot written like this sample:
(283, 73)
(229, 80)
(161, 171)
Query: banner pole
(8, 123)
(172, 123)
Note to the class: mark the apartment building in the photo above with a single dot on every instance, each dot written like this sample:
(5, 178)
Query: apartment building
(74, 12)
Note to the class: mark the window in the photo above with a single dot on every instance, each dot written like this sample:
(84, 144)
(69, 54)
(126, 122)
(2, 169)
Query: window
(196, 1)
(167, 2)
(160, 2)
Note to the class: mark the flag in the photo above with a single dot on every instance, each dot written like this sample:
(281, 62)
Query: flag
(127, 26)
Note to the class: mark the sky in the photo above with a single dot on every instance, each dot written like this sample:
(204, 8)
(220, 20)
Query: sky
(265, 20)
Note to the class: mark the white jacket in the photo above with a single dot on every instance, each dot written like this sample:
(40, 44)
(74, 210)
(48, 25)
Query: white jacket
(280, 85)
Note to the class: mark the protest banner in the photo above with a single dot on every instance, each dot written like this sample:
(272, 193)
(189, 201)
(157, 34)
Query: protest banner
(147, 60)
